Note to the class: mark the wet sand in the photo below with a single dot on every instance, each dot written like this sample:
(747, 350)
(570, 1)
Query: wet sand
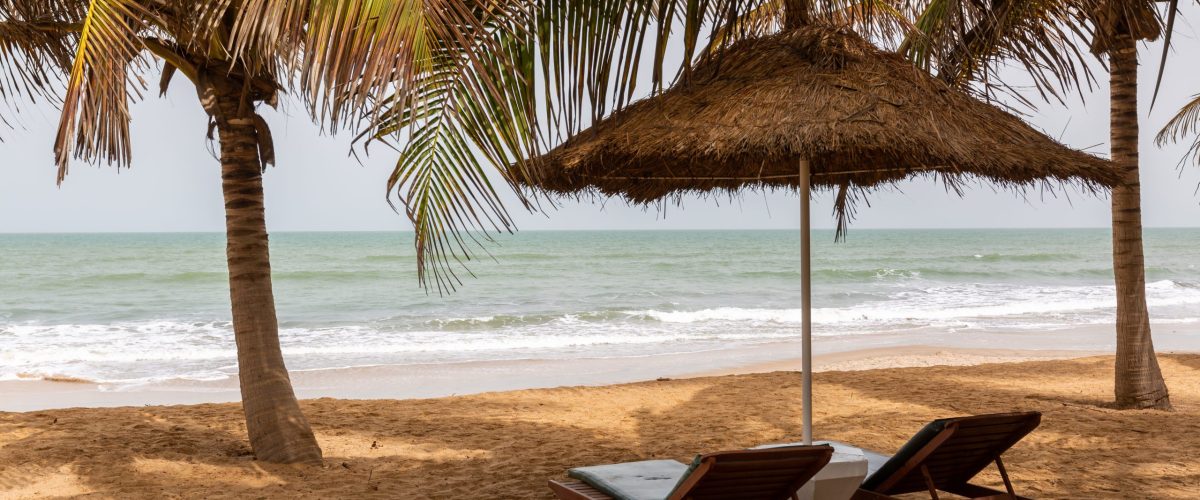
(436, 380)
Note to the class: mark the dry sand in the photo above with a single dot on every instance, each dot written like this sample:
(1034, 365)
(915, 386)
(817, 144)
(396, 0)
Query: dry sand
(505, 445)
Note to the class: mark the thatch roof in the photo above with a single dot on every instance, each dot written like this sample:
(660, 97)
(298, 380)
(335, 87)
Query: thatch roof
(860, 115)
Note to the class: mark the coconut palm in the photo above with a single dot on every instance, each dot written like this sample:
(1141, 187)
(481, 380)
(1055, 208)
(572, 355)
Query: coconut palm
(1120, 25)
(335, 56)
(1045, 37)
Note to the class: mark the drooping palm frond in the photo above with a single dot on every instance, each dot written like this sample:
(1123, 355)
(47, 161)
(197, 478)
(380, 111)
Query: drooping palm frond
(36, 49)
(346, 53)
(960, 40)
(457, 117)
(1172, 11)
(476, 97)
(1185, 124)
(95, 111)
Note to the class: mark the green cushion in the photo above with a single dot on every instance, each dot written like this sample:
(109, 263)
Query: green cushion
(906, 452)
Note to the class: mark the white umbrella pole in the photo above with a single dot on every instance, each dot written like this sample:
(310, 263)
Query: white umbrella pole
(805, 302)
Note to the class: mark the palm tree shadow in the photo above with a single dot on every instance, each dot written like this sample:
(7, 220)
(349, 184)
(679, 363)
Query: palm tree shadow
(1189, 360)
(462, 447)
(95, 450)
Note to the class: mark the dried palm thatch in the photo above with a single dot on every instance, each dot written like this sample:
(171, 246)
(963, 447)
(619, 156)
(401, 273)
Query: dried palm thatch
(863, 117)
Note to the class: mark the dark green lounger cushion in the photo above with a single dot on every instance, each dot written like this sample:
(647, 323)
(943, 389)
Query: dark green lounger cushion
(918, 441)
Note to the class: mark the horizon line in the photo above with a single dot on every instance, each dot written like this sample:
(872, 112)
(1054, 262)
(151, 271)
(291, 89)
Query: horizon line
(502, 233)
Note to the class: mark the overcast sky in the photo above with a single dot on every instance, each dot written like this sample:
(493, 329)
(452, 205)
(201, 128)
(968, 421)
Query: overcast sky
(174, 183)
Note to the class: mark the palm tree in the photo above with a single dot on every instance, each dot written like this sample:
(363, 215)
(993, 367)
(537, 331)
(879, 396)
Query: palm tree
(1119, 26)
(1041, 35)
(337, 56)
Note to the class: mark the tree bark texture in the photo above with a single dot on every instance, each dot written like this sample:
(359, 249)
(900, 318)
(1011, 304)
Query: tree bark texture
(277, 428)
(1139, 382)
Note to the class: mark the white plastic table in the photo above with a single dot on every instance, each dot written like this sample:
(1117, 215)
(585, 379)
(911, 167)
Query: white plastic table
(839, 479)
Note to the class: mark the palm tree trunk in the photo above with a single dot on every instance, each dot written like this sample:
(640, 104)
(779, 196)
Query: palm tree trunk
(278, 430)
(797, 13)
(1139, 382)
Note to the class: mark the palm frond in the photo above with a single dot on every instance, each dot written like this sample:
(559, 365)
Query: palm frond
(960, 40)
(462, 113)
(470, 109)
(36, 47)
(95, 112)
(1168, 35)
(1185, 124)
(346, 53)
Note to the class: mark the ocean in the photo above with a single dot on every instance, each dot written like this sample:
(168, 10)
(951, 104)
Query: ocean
(130, 309)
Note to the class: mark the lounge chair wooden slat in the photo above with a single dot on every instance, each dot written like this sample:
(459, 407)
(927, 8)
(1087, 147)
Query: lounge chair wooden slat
(966, 436)
(956, 457)
(761, 465)
(742, 489)
(726, 473)
(750, 475)
(978, 429)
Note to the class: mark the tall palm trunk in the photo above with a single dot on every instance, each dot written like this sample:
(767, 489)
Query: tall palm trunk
(1139, 382)
(278, 430)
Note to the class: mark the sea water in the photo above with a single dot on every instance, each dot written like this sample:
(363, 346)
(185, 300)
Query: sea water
(133, 308)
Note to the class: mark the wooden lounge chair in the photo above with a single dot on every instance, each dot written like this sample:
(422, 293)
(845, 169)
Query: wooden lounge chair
(946, 454)
(770, 474)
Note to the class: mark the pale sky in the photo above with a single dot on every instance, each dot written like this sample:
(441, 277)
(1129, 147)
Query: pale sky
(174, 183)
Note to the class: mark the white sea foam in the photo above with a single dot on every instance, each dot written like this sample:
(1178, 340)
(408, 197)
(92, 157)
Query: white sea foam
(129, 316)
(949, 302)
(136, 352)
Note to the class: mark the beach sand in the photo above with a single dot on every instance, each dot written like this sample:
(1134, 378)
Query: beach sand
(507, 444)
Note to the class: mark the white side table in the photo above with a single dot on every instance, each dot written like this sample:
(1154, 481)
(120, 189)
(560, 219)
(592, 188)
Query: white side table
(839, 479)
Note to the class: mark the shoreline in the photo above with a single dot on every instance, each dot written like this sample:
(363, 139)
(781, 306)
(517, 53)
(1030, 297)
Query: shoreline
(908, 356)
(397, 382)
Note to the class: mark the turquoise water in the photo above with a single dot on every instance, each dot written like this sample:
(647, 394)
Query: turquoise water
(130, 308)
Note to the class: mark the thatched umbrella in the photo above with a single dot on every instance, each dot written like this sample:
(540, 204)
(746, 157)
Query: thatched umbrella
(813, 106)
